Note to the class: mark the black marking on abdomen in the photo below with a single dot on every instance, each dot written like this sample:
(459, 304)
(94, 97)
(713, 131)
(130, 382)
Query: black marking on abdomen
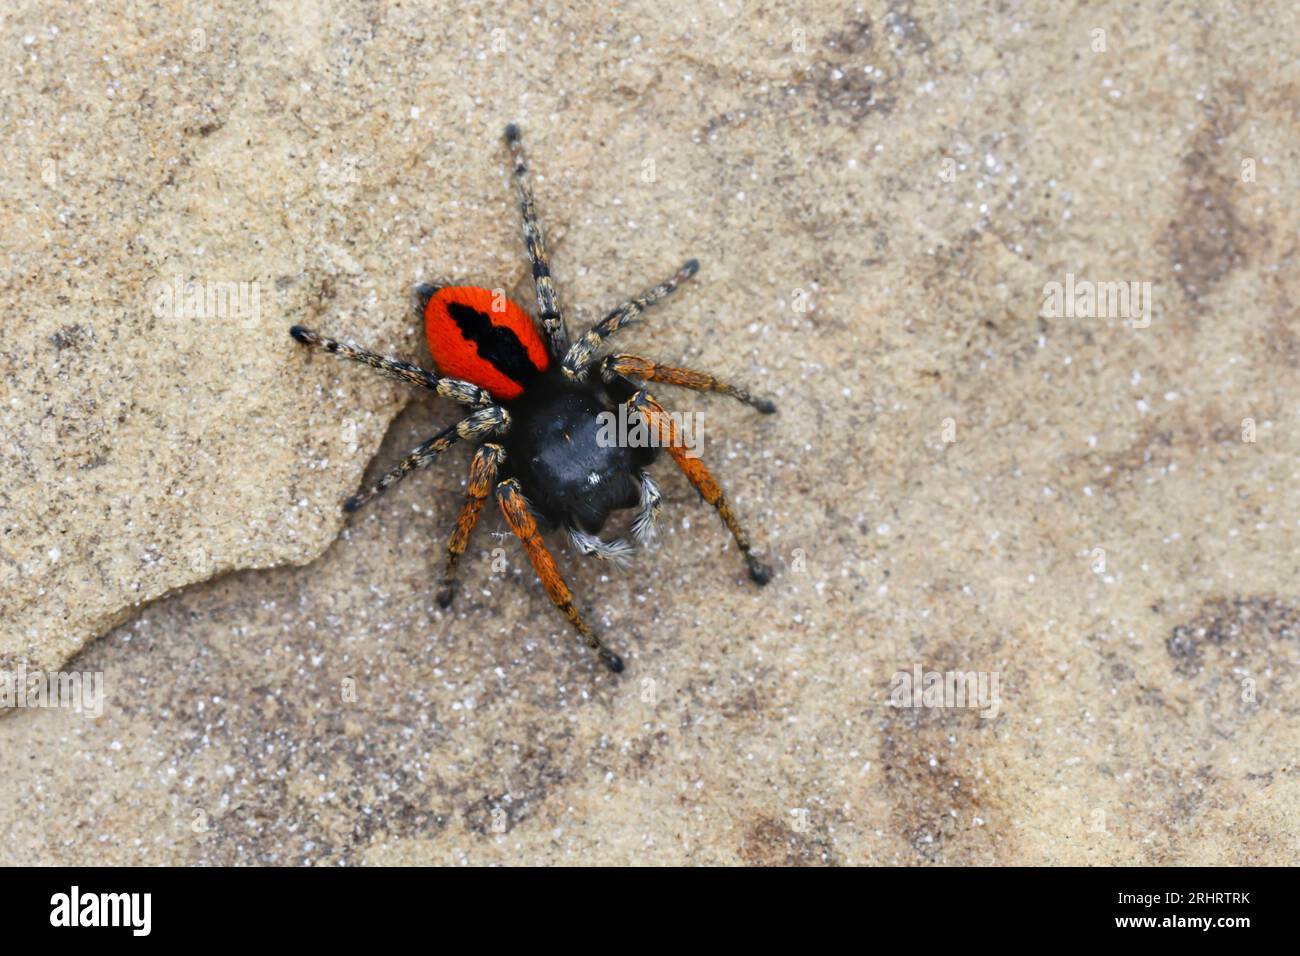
(497, 344)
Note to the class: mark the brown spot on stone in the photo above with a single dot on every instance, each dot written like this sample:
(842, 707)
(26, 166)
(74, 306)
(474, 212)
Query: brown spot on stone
(841, 79)
(1237, 627)
(946, 809)
(771, 842)
(1206, 239)
(71, 337)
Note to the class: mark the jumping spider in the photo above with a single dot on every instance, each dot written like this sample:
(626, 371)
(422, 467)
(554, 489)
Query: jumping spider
(535, 408)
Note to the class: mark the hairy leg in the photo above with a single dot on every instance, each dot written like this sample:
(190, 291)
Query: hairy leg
(617, 551)
(701, 478)
(549, 311)
(458, 391)
(484, 422)
(651, 504)
(578, 360)
(482, 476)
(634, 366)
(521, 521)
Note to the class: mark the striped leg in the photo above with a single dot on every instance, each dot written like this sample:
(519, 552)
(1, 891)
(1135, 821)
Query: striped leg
(699, 476)
(480, 424)
(618, 551)
(648, 509)
(548, 297)
(482, 476)
(579, 357)
(643, 368)
(515, 507)
(464, 392)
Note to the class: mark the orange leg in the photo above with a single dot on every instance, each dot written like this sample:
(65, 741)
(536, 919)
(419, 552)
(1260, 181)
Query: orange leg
(521, 521)
(482, 475)
(701, 478)
(634, 366)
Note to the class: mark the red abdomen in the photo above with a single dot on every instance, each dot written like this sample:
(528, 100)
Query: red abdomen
(482, 337)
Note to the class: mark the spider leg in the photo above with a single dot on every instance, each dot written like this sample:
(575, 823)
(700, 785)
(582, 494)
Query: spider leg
(482, 475)
(479, 424)
(643, 368)
(617, 551)
(698, 475)
(643, 525)
(578, 358)
(458, 391)
(548, 297)
(521, 521)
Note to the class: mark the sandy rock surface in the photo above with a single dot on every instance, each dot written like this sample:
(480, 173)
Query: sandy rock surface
(1099, 511)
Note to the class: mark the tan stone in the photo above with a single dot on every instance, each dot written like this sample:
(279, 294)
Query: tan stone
(948, 468)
